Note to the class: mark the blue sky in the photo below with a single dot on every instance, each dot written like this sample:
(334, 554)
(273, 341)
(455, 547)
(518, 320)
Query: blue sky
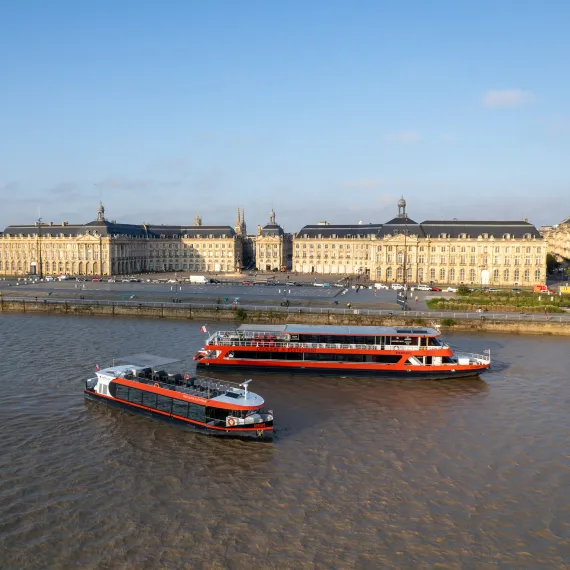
(323, 110)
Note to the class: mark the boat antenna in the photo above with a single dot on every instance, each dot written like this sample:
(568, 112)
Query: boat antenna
(244, 384)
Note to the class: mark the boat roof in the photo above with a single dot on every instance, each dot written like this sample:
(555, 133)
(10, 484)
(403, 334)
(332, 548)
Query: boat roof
(339, 330)
(143, 360)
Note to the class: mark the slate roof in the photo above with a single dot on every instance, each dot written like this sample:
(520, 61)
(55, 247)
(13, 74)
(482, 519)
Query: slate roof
(107, 228)
(433, 228)
(272, 230)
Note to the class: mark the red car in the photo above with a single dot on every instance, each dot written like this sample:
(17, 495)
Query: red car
(435, 289)
(247, 282)
(96, 279)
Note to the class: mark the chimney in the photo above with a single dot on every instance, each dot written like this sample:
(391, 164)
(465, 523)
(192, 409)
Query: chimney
(526, 220)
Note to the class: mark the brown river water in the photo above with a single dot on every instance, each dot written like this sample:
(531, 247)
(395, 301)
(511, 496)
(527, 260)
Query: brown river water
(363, 473)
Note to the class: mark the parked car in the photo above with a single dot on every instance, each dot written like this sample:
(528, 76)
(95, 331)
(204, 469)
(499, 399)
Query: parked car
(451, 289)
(381, 286)
(125, 280)
(423, 288)
(516, 290)
(291, 283)
(316, 284)
(435, 289)
(134, 280)
(111, 280)
(397, 286)
(247, 282)
(50, 278)
(493, 290)
(96, 279)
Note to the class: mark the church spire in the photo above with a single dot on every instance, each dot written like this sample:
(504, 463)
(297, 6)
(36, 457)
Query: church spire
(198, 220)
(243, 227)
(237, 227)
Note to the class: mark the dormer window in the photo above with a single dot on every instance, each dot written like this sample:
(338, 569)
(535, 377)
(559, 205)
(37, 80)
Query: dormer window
(506, 236)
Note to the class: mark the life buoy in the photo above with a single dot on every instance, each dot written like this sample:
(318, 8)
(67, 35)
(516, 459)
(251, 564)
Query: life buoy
(231, 422)
(156, 385)
(186, 376)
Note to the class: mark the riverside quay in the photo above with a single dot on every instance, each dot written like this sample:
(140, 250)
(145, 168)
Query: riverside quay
(503, 253)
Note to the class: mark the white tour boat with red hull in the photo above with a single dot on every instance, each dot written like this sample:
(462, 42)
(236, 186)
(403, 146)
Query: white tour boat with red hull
(395, 352)
(141, 384)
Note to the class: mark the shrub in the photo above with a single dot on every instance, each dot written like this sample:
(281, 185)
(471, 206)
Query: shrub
(241, 315)
(447, 322)
(462, 290)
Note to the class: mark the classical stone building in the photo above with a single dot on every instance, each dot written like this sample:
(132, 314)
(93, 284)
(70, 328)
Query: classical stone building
(273, 247)
(438, 252)
(102, 247)
(558, 238)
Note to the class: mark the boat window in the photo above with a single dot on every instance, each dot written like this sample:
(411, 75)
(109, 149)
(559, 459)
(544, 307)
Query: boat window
(149, 399)
(163, 403)
(122, 392)
(196, 412)
(180, 408)
(233, 395)
(135, 396)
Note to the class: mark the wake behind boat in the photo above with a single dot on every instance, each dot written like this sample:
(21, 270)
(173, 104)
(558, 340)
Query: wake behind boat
(395, 352)
(141, 384)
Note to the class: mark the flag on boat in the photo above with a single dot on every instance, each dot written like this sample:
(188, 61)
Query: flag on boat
(487, 350)
(97, 368)
(203, 329)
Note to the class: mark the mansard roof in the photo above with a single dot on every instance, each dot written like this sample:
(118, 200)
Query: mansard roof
(106, 228)
(272, 230)
(339, 230)
(454, 228)
(433, 228)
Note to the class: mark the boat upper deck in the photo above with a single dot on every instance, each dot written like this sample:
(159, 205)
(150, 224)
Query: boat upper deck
(340, 330)
(197, 386)
(301, 337)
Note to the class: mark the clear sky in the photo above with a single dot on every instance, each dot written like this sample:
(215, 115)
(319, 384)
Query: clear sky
(323, 110)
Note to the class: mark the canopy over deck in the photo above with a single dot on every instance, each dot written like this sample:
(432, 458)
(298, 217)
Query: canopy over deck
(340, 330)
(145, 360)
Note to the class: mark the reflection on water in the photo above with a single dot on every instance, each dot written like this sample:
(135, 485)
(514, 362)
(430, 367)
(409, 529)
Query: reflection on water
(363, 473)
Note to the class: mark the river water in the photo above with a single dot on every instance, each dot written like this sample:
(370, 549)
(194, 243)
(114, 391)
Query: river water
(363, 473)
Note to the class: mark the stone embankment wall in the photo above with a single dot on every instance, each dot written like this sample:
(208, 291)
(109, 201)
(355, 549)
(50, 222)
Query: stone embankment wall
(208, 314)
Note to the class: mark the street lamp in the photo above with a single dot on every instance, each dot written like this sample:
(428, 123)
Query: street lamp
(39, 222)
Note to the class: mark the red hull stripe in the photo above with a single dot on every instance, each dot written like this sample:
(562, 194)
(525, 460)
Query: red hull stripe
(177, 417)
(182, 397)
(344, 366)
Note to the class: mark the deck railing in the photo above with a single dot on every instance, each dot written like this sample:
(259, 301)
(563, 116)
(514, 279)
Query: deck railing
(235, 341)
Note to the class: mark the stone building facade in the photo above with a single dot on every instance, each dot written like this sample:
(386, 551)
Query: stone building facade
(558, 238)
(440, 252)
(273, 247)
(102, 247)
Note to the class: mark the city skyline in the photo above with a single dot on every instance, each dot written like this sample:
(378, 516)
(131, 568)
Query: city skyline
(321, 111)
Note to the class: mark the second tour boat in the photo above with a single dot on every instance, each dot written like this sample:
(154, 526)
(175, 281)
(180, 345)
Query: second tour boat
(399, 352)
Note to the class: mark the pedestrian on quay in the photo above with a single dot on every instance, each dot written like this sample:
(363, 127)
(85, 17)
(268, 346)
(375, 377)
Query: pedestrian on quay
(417, 299)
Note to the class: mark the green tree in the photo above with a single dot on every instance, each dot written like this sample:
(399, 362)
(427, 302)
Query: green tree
(551, 263)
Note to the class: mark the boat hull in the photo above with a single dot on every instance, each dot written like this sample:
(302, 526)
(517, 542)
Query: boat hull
(407, 374)
(235, 433)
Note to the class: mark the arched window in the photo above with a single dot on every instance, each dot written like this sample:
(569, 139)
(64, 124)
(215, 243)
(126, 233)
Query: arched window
(451, 275)
(442, 275)
(472, 275)
(432, 274)
(506, 275)
(462, 275)
(517, 275)
(399, 274)
(378, 273)
(537, 275)
(527, 275)
(388, 273)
